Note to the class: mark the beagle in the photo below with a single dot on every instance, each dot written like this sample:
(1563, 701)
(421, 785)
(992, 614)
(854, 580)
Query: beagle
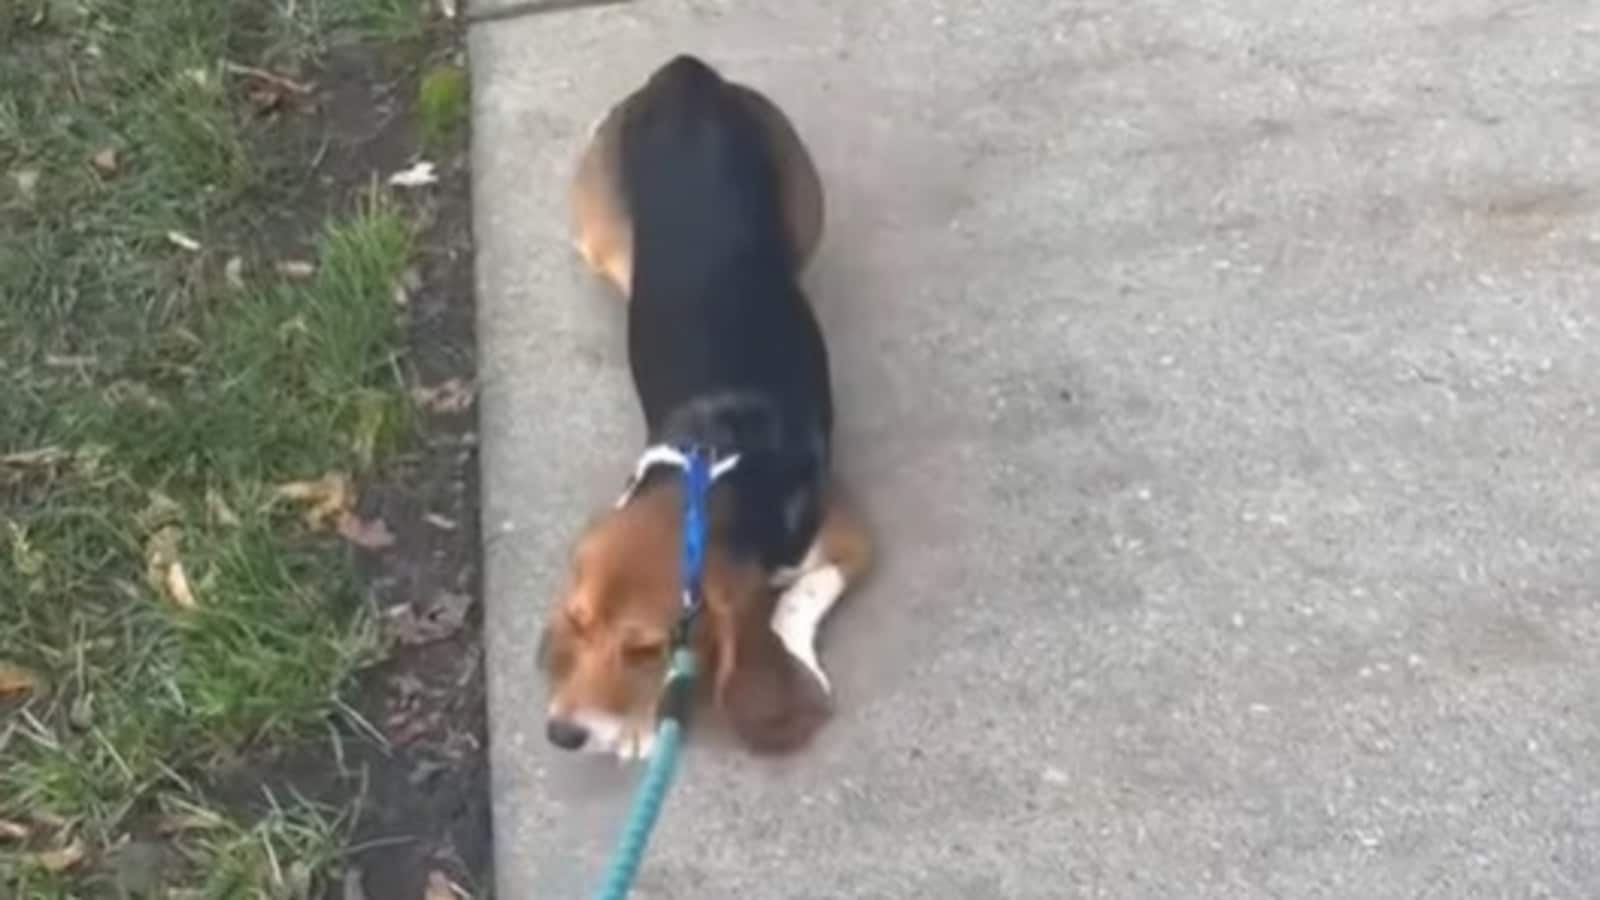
(697, 201)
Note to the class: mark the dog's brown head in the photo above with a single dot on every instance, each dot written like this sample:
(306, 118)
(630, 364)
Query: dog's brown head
(604, 647)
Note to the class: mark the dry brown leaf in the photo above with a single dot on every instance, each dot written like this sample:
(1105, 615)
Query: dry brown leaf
(14, 831)
(438, 620)
(176, 585)
(441, 888)
(297, 269)
(14, 679)
(106, 162)
(452, 395)
(328, 498)
(165, 571)
(61, 859)
(371, 534)
(183, 241)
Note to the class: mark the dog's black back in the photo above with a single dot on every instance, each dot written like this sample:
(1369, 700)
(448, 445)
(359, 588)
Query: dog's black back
(724, 348)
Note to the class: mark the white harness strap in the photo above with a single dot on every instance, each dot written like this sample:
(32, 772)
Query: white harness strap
(668, 455)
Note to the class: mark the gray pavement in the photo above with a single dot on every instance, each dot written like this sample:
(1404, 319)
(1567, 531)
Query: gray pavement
(1222, 378)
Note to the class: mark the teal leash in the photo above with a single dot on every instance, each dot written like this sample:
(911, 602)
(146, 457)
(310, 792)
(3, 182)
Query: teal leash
(651, 794)
(677, 694)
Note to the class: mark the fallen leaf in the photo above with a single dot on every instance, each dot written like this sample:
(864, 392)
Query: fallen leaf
(183, 241)
(439, 619)
(61, 859)
(177, 587)
(163, 569)
(452, 395)
(14, 679)
(371, 534)
(420, 174)
(441, 888)
(442, 523)
(14, 831)
(233, 273)
(329, 498)
(106, 162)
(27, 181)
(297, 269)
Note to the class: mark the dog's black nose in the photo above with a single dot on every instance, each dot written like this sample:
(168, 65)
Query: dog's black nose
(565, 733)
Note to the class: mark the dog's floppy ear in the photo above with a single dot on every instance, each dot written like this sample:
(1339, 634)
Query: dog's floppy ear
(772, 702)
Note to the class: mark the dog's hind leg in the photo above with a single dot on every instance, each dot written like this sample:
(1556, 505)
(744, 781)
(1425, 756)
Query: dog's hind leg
(837, 560)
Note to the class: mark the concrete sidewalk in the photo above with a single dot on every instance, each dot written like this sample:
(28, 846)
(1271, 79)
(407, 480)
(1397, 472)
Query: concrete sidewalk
(1223, 380)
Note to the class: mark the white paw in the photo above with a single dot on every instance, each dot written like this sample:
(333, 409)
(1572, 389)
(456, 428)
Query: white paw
(799, 613)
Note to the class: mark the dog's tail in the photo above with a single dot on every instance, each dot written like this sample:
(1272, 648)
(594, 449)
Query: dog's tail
(697, 167)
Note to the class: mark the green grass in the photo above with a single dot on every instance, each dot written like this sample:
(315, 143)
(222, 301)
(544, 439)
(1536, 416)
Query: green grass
(152, 407)
(441, 104)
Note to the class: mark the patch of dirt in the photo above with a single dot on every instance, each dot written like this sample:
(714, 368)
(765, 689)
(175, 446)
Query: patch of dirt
(419, 784)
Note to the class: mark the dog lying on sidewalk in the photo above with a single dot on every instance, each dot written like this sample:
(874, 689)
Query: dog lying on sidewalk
(696, 199)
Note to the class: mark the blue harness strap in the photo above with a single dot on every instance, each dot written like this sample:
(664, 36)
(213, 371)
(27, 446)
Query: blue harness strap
(696, 491)
(700, 471)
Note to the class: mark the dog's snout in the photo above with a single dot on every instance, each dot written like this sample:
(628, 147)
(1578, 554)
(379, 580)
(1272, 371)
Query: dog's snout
(565, 733)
